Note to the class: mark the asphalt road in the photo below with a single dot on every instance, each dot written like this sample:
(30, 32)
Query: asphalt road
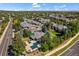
(73, 51)
(6, 40)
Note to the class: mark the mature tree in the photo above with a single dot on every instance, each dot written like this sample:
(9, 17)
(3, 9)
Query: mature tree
(18, 46)
(44, 47)
(26, 33)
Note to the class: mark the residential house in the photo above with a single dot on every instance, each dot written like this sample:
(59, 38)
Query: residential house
(31, 27)
(36, 23)
(59, 28)
(37, 35)
(60, 16)
(43, 21)
(25, 24)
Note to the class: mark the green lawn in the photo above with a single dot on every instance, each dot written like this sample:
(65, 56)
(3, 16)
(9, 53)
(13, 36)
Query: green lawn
(52, 33)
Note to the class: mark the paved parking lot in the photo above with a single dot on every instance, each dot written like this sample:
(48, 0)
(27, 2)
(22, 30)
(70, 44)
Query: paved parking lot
(73, 51)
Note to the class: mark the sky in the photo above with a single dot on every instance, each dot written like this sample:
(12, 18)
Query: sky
(40, 6)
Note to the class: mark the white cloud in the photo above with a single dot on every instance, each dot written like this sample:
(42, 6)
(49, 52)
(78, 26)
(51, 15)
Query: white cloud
(35, 5)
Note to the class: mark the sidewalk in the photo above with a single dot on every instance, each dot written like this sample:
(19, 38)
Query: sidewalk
(62, 46)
